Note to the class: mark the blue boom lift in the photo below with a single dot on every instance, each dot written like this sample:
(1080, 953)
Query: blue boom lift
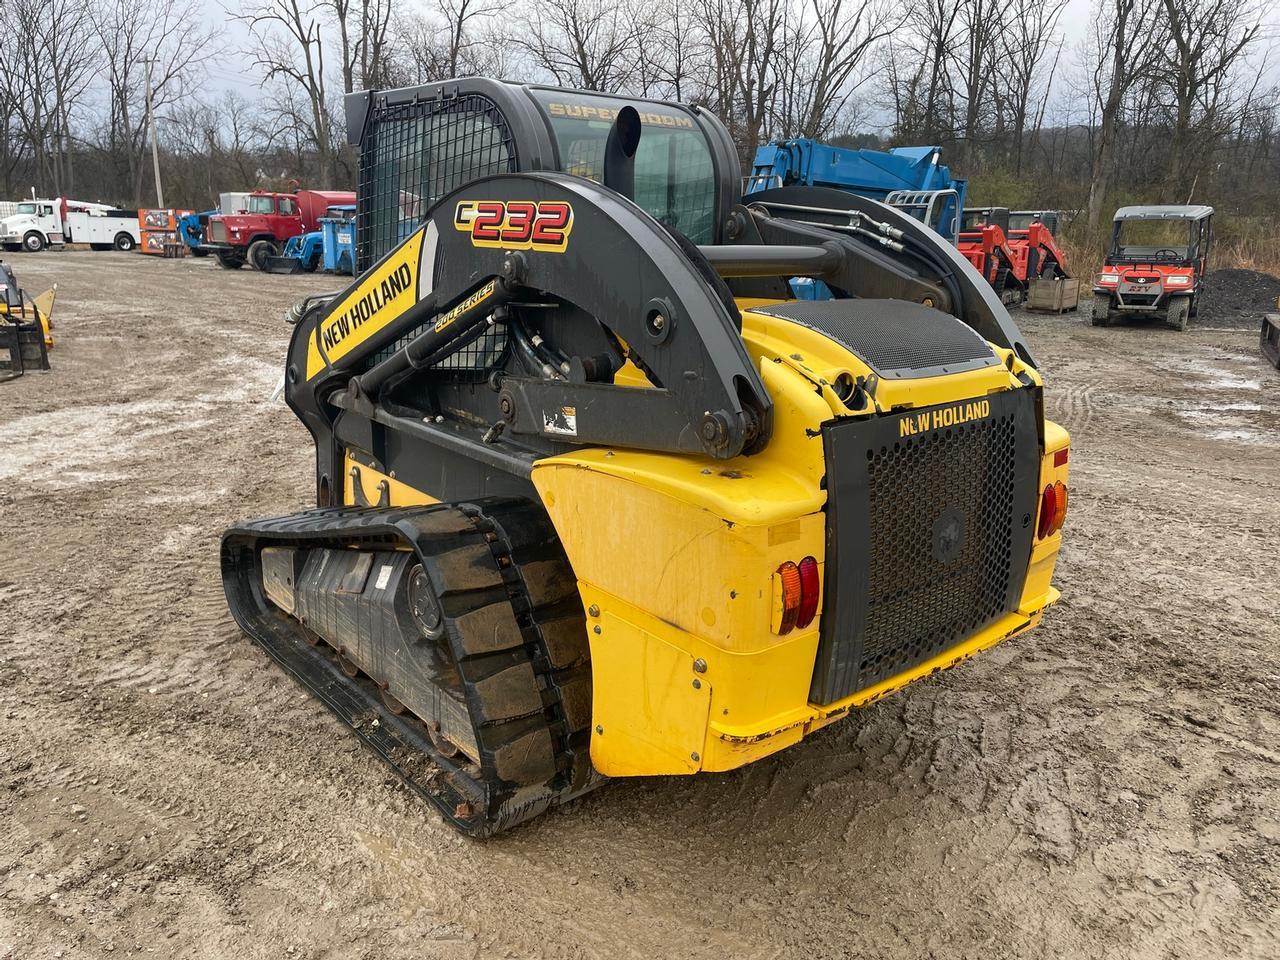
(910, 178)
(331, 248)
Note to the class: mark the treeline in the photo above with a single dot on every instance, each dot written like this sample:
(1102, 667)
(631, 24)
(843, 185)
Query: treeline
(1163, 100)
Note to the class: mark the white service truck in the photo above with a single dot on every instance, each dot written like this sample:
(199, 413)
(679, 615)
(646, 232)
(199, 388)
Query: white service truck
(53, 223)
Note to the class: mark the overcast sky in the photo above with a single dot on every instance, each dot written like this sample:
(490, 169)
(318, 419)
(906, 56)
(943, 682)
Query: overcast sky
(1073, 25)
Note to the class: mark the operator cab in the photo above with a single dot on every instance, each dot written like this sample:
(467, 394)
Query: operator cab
(1161, 235)
(975, 218)
(1023, 219)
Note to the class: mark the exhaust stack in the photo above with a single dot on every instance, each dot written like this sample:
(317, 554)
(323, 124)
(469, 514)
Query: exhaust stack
(620, 153)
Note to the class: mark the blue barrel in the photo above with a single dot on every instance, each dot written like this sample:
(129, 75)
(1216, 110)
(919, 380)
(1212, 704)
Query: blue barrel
(338, 239)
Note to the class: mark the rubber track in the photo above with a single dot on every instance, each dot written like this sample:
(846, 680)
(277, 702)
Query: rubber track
(514, 623)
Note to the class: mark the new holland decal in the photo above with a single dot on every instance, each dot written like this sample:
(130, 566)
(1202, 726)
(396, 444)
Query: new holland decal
(939, 417)
(516, 224)
(384, 294)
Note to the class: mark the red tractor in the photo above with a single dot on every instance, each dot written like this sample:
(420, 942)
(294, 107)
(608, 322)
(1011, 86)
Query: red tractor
(1037, 231)
(984, 242)
(1011, 249)
(1155, 265)
(267, 223)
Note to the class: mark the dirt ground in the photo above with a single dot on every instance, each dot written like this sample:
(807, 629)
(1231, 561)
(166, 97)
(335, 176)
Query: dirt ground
(1102, 787)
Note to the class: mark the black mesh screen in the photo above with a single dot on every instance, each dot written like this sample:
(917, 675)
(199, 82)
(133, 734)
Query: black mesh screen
(922, 600)
(413, 154)
(928, 534)
(473, 359)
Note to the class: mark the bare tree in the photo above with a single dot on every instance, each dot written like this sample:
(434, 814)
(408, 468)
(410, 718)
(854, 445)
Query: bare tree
(23, 78)
(363, 27)
(288, 46)
(585, 43)
(1208, 39)
(131, 33)
(742, 38)
(974, 63)
(67, 53)
(450, 39)
(1030, 35)
(827, 59)
(1122, 36)
(919, 71)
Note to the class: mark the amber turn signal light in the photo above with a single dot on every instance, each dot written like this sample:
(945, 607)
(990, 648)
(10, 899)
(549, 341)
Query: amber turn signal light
(797, 588)
(1053, 509)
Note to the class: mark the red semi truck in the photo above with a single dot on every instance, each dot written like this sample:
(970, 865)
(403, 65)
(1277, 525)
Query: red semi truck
(267, 222)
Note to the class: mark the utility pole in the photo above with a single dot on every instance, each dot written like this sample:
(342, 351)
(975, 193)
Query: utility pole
(155, 150)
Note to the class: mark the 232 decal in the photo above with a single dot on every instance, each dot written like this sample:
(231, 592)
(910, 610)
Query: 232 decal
(516, 224)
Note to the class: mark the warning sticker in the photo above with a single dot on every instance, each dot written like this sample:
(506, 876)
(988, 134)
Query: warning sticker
(384, 577)
(562, 420)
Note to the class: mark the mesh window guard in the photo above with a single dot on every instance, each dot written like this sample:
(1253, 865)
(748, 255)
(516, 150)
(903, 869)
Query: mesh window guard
(415, 153)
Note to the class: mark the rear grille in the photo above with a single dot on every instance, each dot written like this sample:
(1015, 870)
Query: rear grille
(928, 537)
(918, 604)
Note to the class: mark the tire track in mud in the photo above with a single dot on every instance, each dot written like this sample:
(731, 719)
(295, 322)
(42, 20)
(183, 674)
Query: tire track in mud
(1072, 405)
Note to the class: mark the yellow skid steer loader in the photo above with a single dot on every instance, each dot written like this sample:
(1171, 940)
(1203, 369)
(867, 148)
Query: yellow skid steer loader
(596, 496)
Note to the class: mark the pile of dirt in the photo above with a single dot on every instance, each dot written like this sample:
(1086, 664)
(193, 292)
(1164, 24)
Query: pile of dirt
(1238, 297)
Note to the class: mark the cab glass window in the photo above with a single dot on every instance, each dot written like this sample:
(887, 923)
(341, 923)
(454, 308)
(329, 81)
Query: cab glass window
(1167, 239)
(262, 205)
(414, 154)
(27, 208)
(288, 207)
(675, 176)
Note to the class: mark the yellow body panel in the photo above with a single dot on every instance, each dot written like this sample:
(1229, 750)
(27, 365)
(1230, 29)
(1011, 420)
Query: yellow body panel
(687, 613)
(382, 295)
(374, 485)
(675, 557)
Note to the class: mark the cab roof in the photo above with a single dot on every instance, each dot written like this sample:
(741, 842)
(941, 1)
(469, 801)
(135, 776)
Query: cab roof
(1157, 212)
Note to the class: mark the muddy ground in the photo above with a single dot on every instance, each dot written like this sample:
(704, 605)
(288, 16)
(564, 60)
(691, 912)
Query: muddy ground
(1102, 787)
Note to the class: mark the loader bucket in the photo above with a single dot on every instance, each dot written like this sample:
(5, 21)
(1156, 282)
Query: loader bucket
(22, 347)
(282, 265)
(1271, 338)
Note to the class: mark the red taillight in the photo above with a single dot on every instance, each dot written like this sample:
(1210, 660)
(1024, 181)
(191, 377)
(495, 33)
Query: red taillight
(809, 591)
(1053, 509)
(789, 573)
(799, 589)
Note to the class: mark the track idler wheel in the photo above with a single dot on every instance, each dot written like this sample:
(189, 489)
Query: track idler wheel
(424, 606)
(446, 747)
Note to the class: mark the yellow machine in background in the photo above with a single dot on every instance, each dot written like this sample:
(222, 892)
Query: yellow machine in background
(596, 495)
(25, 325)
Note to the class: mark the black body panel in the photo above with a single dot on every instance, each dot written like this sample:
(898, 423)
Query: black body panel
(929, 531)
(897, 338)
(927, 259)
